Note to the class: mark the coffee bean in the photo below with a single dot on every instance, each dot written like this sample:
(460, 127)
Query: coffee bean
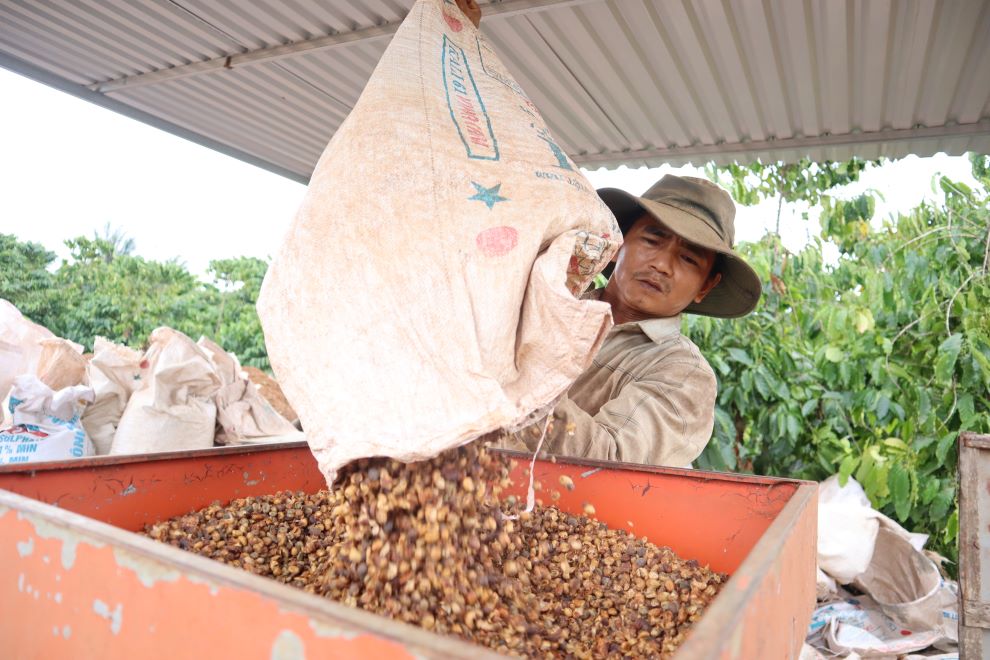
(428, 544)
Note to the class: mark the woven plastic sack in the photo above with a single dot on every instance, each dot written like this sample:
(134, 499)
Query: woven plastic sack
(46, 424)
(427, 290)
(243, 415)
(173, 409)
(20, 346)
(115, 372)
(61, 364)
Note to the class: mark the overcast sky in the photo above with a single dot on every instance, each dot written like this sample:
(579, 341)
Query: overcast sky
(69, 167)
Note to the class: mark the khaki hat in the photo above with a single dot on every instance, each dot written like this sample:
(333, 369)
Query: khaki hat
(702, 213)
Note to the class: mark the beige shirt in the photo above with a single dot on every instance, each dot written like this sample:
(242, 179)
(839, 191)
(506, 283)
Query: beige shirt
(649, 397)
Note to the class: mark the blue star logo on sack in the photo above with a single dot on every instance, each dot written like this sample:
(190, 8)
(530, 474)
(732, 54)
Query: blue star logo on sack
(489, 196)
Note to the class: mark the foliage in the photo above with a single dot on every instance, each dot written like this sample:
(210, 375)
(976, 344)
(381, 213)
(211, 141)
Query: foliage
(118, 241)
(870, 366)
(122, 297)
(104, 290)
(981, 168)
(801, 181)
(24, 276)
(237, 327)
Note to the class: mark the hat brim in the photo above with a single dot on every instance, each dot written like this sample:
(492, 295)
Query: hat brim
(739, 290)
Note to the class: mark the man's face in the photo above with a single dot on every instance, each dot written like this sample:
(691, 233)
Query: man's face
(658, 274)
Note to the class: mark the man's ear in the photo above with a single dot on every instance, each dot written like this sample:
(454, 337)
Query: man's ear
(618, 253)
(710, 284)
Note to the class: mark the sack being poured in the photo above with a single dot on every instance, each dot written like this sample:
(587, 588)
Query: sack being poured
(428, 290)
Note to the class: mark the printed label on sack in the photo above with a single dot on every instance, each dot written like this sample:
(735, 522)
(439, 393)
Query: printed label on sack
(57, 440)
(467, 109)
(543, 133)
(452, 21)
(490, 65)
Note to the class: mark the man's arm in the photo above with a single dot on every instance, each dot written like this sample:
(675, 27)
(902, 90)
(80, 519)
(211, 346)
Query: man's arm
(667, 421)
(471, 10)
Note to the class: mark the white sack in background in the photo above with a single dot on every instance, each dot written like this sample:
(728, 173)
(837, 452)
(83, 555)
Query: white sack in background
(847, 529)
(825, 587)
(831, 492)
(907, 606)
(857, 627)
(61, 364)
(426, 292)
(46, 424)
(908, 587)
(20, 347)
(173, 410)
(242, 413)
(115, 372)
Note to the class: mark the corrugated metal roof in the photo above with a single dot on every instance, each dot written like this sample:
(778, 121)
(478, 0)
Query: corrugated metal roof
(635, 82)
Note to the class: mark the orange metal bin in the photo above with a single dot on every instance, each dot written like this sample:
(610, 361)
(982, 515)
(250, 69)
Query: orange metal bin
(79, 583)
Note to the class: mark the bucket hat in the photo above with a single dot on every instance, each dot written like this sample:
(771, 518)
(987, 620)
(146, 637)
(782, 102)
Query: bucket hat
(702, 213)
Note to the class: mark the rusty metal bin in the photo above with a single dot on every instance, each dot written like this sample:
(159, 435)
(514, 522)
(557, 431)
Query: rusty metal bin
(79, 582)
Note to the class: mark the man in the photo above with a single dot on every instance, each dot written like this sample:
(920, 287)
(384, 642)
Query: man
(649, 396)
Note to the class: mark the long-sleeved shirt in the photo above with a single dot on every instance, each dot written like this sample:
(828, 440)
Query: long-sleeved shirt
(649, 397)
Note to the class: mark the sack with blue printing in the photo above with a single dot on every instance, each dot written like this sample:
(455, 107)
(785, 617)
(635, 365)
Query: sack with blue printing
(429, 289)
(46, 423)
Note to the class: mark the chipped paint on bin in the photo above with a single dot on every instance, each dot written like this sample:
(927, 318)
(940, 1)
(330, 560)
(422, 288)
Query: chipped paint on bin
(325, 630)
(115, 617)
(181, 609)
(25, 548)
(760, 530)
(148, 572)
(288, 646)
(67, 550)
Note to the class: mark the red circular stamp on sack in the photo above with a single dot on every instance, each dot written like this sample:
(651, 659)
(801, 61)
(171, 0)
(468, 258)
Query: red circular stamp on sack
(454, 24)
(497, 241)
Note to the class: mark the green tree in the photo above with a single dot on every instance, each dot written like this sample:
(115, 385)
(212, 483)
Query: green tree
(24, 276)
(102, 289)
(870, 366)
(237, 327)
(123, 297)
(804, 180)
(117, 242)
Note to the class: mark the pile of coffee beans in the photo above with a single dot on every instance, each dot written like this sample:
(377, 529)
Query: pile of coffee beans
(434, 545)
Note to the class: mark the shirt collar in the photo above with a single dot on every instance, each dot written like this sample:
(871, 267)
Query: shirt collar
(657, 330)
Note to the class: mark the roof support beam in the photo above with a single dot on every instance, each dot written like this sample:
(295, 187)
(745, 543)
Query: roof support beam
(503, 9)
(80, 91)
(709, 151)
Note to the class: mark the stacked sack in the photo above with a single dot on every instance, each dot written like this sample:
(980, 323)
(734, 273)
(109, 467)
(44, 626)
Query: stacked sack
(902, 603)
(177, 395)
(45, 387)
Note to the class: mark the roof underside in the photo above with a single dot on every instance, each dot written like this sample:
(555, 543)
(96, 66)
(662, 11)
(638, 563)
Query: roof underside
(634, 82)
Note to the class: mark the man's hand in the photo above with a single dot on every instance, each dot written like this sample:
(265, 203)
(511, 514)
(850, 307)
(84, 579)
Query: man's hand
(471, 10)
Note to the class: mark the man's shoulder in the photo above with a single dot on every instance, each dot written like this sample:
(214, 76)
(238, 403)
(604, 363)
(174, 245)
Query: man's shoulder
(692, 349)
(680, 359)
(672, 358)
